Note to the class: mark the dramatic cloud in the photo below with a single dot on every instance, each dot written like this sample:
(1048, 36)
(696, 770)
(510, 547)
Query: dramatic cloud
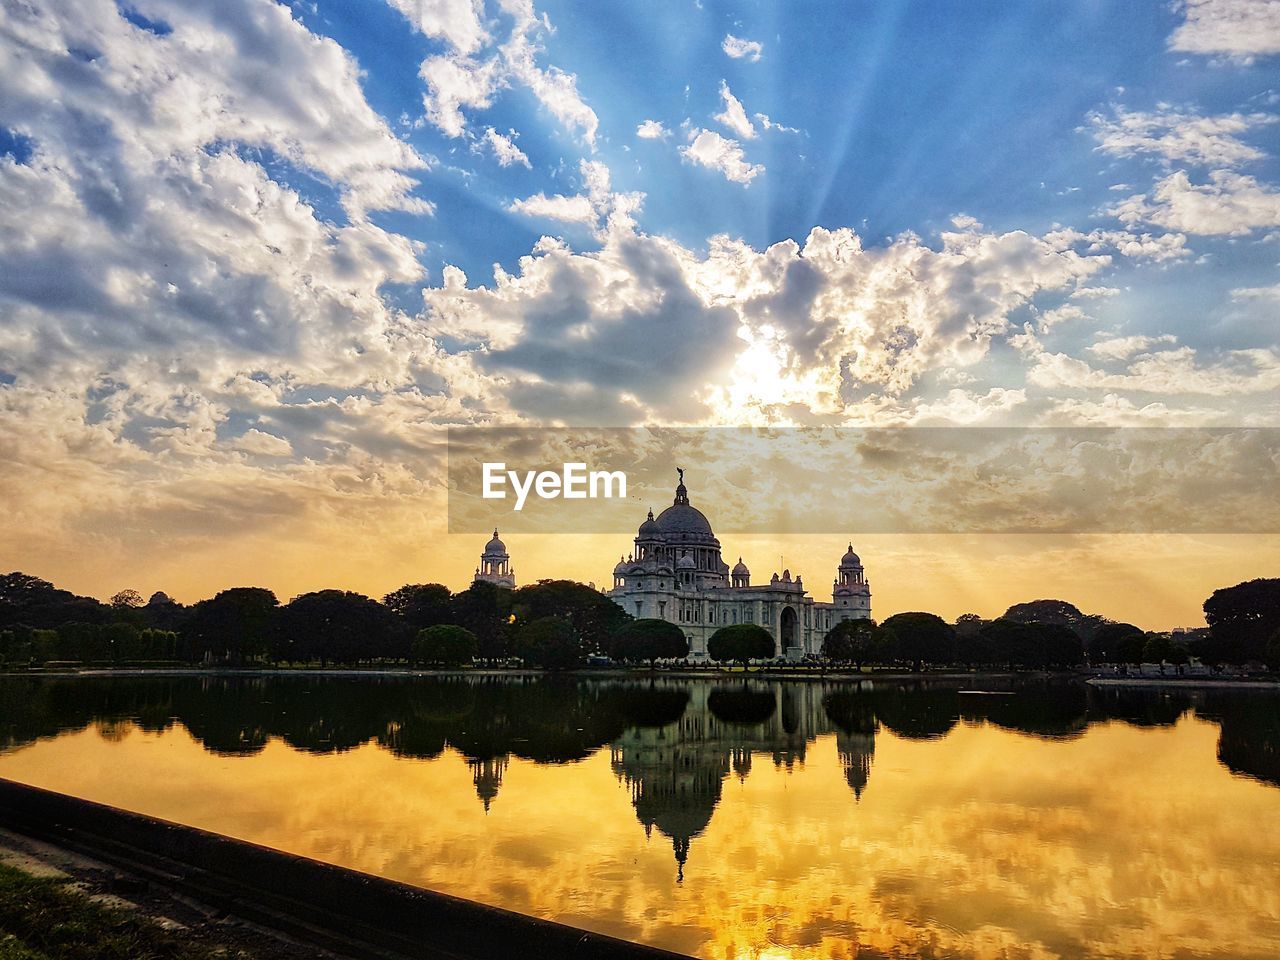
(709, 149)
(1229, 204)
(1121, 348)
(599, 205)
(1239, 28)
(1179, 136)
(734, 116)
(738, 48)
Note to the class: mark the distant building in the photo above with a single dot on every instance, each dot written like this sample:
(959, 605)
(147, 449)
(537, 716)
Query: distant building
(676, 573)
(495, 564)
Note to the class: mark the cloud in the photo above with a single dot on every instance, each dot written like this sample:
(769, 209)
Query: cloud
(256, 442)
(556, 89)
(1241, 29)
(652, 130)
(454, 82)
(1178, 136)
(734, 116)
(737, 48)
(709, 149)
(457, 22)
(599, 207)
(504, 148)
(574, 209)
(1230, 204)
(1121, 348)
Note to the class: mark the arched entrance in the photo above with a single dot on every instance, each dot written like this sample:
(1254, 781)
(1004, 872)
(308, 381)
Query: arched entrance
(788, 634)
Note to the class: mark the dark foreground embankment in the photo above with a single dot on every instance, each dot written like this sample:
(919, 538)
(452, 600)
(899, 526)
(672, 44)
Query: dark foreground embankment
(339, 909)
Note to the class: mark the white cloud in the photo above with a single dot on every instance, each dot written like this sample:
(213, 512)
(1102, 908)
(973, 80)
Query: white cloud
(1229, 204)
(709, 149)
(262, 444)
(455, 21)
(504, 148)
(1242, 29)
(1059, 315)
(1120, 348)
(556, 89)
(1146, 246)
(454, 82)
(574, 209)
(734, 116)
(738, 48)
(1178, 136)
(764, 121)
(652, 130)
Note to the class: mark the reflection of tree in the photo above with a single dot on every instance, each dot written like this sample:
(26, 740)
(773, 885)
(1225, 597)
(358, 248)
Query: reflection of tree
(1249, 742)
(673, 741)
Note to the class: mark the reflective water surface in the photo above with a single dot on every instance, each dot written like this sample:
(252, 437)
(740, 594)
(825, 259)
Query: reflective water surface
(723, 819)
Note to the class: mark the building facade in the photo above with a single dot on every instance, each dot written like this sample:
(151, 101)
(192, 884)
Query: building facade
(675, 572)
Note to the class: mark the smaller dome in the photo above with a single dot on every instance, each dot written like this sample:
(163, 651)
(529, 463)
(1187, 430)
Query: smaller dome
(495, 547)
(620, 566)
(850, 559)
(740, 569)
(650, 528)
(685, 563)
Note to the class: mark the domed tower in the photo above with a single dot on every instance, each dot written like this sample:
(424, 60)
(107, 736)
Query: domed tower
(495, 564)
(741, 575)
(851, 591)
(648, 539)
(686, 571)
(685, 531)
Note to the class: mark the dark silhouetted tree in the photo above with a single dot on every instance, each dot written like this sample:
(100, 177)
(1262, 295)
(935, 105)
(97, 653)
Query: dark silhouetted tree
(1242, 620)
(485, 610)
(420, 604)
(851, 641)
(740, 642)
(445, 644)
(594, 616)
(1117, 643)
(341, 627)
(235, 625)
(649, 639)
(920, 638)
(550, 643)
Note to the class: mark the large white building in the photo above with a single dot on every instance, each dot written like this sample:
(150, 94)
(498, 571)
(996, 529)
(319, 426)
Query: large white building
(676, 573)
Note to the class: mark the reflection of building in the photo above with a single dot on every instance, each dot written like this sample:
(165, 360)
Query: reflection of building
(676, 573)
(495, 564)
(675, 772)
(487, 777)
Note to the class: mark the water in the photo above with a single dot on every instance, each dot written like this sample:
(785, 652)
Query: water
(723, 819)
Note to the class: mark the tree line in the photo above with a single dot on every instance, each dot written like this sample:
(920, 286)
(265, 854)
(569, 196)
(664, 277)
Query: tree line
(560, 624)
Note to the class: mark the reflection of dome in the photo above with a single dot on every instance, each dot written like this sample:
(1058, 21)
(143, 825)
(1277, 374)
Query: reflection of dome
(495, 547)
(850, 559)
(683, 518)
(650, 528)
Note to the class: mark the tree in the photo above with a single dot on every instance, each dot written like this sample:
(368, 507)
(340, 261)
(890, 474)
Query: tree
(127, 600)
(1031, 644)
(649, 639)
(446, 644)
(420, 604)
(234, 625)
(1242, 620)
(920, 638)
(28, 600)
(550, 643)
(594, 616)
(1055, 611)
(850, 641)
(485, 610)
(340, 626)
(1117, 643)
(968, 624)
(740, 642)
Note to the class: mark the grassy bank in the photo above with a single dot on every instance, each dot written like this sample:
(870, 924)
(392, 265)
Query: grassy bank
(45, 918)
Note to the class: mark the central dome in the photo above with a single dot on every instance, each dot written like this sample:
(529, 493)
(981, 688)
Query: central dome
(683, 518)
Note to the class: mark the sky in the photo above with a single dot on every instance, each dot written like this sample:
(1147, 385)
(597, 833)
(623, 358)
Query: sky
(256, 257)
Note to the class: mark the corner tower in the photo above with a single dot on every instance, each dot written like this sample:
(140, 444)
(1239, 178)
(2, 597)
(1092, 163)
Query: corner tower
(495, 564)
(851, 591)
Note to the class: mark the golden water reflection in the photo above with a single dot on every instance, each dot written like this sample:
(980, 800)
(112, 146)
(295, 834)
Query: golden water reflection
(840, 824)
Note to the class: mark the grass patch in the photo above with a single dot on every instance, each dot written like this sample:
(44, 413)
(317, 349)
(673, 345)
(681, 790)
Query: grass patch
(42, 919)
